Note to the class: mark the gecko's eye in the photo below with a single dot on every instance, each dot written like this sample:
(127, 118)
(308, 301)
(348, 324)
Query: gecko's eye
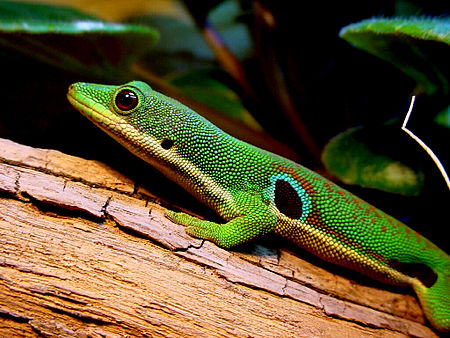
(126, 100)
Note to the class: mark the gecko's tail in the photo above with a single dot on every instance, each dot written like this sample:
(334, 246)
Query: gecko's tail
(435, 299)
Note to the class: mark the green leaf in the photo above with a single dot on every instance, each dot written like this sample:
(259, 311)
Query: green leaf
(420, 47)
(72, 40)
(203, 87)
(183, 47)
(443, 118)
(359, 156)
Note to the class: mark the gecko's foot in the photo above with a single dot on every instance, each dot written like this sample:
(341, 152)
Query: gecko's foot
(172, 216)
(195, 227)
(236, 231)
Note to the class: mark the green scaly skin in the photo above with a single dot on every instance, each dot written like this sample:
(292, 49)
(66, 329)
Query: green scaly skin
(257, 192)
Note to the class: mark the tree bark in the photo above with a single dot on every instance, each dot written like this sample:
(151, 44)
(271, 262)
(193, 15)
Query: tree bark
(83, 254)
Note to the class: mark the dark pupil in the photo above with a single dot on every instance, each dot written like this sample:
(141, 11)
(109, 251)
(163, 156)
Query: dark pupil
(126, 100)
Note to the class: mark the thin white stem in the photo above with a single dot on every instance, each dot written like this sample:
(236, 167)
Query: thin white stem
(423, 145)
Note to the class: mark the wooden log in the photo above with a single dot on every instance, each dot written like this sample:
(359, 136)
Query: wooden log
(82, 254)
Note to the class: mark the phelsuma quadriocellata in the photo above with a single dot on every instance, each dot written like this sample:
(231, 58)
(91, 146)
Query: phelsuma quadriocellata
(257, 192)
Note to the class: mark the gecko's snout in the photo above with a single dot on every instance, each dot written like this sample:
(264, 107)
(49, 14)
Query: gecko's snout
(77, 85)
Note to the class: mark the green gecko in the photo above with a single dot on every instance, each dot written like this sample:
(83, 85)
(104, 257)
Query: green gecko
(257, 192)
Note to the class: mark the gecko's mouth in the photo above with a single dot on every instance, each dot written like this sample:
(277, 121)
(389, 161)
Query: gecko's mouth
(86, 106)
(82, 103)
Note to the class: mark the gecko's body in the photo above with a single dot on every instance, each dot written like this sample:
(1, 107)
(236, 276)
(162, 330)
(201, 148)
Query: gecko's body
(257, 192)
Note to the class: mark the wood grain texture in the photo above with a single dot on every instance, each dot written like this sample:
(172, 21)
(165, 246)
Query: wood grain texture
(81, 254)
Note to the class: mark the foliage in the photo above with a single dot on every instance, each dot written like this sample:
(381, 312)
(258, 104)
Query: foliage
(420, 47)
(52, 34)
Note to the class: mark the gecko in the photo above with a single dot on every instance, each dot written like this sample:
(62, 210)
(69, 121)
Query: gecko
(257, 193)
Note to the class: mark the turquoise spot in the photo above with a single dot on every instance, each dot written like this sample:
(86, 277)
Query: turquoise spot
(302, 194)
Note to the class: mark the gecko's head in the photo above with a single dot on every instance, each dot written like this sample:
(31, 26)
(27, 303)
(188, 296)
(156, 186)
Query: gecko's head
(148, 123)
(131, 113)
(134, 109)
(108, 104)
